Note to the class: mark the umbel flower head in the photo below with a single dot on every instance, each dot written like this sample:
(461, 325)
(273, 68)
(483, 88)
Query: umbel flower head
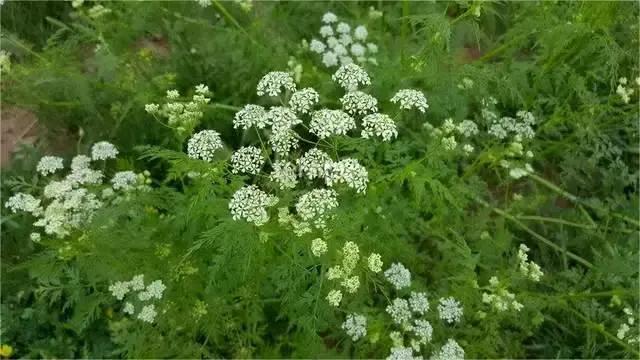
(284, 174)
(273, 83)
(49, 165)
(410, 99)
(251, 115)
(355, 326)
(347, 171)
(325, 123)
(312, 163)
(203, 145)
(359, 103)
(250, 203)
(302, 101)
(316, 203)
(350, 76)
(380, 125)
(247, 159)
(103, 150)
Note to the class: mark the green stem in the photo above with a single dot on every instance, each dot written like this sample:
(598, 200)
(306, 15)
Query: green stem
(233, 20)
(536, 235)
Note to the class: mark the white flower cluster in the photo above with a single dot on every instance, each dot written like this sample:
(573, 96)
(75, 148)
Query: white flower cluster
(411, 99)
(624, 329)
(154, 290)
(623, 91)
(380, 125)
(250, 203)
(316, 204)
(347, 171)
(312, 163)
(446, 131)
(398, 275)
(251, 115)
(182, 115)
(355, 326)
(284, 174)
(325, 123)
(340, 45)
(203, 145)
(449, 310)
(103, 150)
(273, 83)
(528, 268)
(302, 101)
(351, 76)
(318, 247)
(499, 298)
(359, 103)
(68, 204)
(449, 351)
(520, 127)
(375, 262)
(346, 270)
(49, 165)
(248, 160)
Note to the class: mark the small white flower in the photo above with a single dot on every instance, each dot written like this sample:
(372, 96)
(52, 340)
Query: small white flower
(103, 150)
(156, 289)
(449, 310)
(399, 311)
(334, 297)
(302, 101)
(329, 18)
(360, 33)
(398, 276)
(57, 189)
(283, 140)
(318, 247)
(35, 237)
(49, 165)
(148, 313)
(312, 163)
(345, 40)
(330, 59)
(251, 115)
(119, 289)
(247, 159)
(358, 50)
(137, 282)
(282, 118)
(351, 284)
(152, 108)
(325, 123)
(344, 60)
(359, 103)
(343, 28)
(410, 98)
(355, 326)
(317, 46)
(272, 83)
(419, 302)
(173, 94)
(284, 174)
(202, 89)
(23, 202)
(402, 353)
(467, 128)
(373, 48)
(349, 76)
(124, 180)
(347, 171)
(450, 351)
(340, 50)
(375, 262)
(128, 308)
(316, 203)
(379, 125)
(467, 148)
(80, 162)
(203, 145)
(326, 31)
(250, 203)
(449, 143)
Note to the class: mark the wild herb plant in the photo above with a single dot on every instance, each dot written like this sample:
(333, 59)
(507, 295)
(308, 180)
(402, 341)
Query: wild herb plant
(471, 193)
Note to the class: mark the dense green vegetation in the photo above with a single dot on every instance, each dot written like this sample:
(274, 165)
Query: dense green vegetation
(515, 192)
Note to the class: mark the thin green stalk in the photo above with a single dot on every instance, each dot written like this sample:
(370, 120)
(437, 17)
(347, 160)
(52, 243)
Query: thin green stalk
(600, 328)
(557, 221)
(577, 200)
(233, 20)
(536, 235)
